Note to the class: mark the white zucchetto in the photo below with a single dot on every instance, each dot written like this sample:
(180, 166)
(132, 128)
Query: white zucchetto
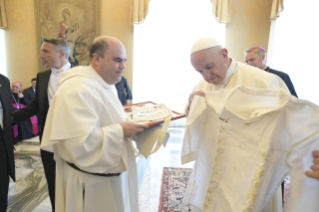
(204, 43)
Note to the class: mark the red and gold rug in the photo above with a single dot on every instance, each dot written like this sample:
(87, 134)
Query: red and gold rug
(174, 183)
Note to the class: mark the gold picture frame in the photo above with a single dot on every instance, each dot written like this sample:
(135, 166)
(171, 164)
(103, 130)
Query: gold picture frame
(78, 22)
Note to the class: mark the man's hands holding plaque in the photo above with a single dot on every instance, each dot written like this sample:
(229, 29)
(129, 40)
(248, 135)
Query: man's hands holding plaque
(131, 128)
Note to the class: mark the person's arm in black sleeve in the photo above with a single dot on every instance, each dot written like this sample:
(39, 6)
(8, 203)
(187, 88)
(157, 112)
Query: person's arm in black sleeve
(289, 84)
(128, 91)
(27, 96)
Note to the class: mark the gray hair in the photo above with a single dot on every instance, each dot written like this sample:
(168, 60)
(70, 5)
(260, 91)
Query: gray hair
(59, 45)
(99, 47)
(257, 51)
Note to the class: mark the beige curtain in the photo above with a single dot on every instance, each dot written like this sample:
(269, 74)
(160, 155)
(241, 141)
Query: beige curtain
(221, 10)
(276, 9)
(3, 19)
(139, 11)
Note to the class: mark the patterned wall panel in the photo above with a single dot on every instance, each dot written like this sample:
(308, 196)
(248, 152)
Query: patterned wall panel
(249, 26)
(21, 36)
(20, 41)
(115, 21)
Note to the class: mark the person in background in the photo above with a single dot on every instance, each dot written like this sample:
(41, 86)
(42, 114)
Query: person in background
(124, 91)
(87, 128)
(7, 167)
(29, 93)
(256, 56)
(55, 54)
(28, 128)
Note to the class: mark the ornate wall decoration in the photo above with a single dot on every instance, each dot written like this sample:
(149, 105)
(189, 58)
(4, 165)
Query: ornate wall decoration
(77, 22)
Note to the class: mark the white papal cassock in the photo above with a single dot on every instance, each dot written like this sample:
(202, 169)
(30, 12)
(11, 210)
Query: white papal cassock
(83, 127)
(245, 141)
(239, 74)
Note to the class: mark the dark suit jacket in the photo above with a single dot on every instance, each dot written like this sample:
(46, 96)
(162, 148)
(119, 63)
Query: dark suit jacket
(285, 78)
(28, 94)
(123, 90)
(39, 105)
(5, 97)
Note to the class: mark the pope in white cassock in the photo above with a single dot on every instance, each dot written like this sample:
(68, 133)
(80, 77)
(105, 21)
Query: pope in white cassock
(86, 128)
(220, 72)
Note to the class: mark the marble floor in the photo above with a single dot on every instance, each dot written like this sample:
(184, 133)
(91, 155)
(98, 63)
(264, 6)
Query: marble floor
(29, 193)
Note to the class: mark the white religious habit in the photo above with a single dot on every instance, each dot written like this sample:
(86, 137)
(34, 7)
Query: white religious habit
(241, 74)
(245, 141)
(83, 126)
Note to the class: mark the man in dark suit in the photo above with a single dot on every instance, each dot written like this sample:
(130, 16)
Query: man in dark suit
(29, 93)
(7, 167)
(256, 56)
(55, 54)
(124, 91)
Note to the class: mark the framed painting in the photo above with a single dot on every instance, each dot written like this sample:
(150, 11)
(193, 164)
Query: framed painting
(77, 22)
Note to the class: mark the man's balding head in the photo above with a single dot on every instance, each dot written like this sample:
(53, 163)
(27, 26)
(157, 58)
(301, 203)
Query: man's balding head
(210, 60)
(108, 56)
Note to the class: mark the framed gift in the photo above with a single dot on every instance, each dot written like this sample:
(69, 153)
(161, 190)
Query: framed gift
(77, 22)
(150, 110)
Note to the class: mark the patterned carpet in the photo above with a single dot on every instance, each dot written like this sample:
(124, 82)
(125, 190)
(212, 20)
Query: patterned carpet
(286, 194)
(174, 183)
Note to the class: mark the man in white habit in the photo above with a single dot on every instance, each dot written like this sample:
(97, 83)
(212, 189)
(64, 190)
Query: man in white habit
(219, 71)
(87, 128)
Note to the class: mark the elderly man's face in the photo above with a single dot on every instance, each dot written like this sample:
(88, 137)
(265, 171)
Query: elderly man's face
(211, 64)
(49, 55)
(253, 59)
(113, 64)
(15, 88)
(33, 84)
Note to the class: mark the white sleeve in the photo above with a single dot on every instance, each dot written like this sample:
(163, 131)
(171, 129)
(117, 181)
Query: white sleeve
(303, 127)
(98, 152)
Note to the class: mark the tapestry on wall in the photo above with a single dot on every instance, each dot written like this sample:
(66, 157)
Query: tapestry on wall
(77, 22)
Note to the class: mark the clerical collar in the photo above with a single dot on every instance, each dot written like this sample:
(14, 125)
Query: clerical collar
(66, 67)
(231, 70)
(267, 69)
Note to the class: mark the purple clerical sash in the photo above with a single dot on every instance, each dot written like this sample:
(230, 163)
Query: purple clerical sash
(33, 119)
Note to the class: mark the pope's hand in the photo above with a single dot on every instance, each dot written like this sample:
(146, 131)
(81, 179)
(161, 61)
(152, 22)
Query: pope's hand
(191, 96)
(315, 168)
(131, 128)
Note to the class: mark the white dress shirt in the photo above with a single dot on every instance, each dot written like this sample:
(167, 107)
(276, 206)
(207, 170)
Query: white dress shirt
(55, 80)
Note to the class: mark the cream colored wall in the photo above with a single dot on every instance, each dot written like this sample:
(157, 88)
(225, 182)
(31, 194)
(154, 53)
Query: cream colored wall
(249, 26)
(115, 21)
(20, 41)
(20, 37)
